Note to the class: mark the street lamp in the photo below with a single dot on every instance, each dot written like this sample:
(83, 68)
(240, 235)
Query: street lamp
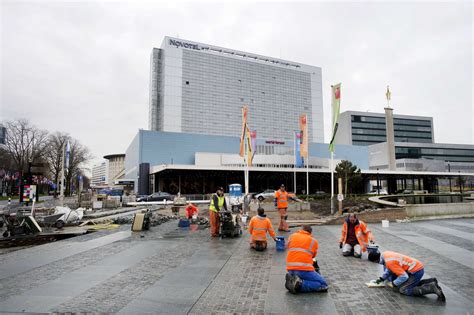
(449, 171)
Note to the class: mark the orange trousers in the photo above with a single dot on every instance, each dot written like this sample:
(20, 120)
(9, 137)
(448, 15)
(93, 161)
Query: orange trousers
(214, 221)
(283, 226)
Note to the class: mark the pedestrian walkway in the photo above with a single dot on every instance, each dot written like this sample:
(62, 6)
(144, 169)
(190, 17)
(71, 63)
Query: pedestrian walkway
(172, 271)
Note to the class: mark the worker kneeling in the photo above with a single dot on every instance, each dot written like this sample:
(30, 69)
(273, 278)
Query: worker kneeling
(301, 276)
(259, 226)
(405, 275)
(355, 237)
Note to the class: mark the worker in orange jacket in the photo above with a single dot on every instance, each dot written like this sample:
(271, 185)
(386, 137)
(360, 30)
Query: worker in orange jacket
(259, 226)
(301, 276)
(355, 237)
(405, 275)
(281, 203)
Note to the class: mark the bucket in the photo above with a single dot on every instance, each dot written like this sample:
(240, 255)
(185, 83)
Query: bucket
(183, 223)
(244, 219)
(385, 223)
(280, 243)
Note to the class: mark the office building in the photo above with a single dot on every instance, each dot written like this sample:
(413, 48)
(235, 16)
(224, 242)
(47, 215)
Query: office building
(99, 174)
(364, 128)
(116, 167)
(201, 89)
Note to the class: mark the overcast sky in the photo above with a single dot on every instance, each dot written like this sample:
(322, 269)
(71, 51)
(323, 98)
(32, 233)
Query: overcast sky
(83, 67)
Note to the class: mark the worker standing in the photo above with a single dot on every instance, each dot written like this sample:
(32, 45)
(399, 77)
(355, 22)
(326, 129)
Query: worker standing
(405, 275)
(259, 226)
(301, 276)
(217, 203)
(355, 237)
(281, 203)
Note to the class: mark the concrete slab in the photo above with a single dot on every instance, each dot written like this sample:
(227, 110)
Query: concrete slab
(461, 255)
(442, 229)
(30, 258)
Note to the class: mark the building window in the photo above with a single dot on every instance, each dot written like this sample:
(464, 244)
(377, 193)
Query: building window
(187, 82)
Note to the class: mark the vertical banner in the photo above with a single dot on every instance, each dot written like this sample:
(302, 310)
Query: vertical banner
(244, 127)
(253, 140)
(248, 143)
(298, 158)
(336, 106)
(303, 136)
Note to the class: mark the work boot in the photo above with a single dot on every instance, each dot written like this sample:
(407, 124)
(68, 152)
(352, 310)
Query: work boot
(425, 281)
(429, 288)
(294, 284)
(287, 281)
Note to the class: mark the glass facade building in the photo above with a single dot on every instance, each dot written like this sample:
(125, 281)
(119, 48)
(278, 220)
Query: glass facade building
(359, 128)
(198, 88)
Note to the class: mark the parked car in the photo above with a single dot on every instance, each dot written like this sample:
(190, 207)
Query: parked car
(381, 191)
(320, 193)
(157, 196)
(266, 194)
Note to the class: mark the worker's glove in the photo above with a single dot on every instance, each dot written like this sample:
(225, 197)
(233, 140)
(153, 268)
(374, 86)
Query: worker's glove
(340, 244)
(395, 288)
(379, 280)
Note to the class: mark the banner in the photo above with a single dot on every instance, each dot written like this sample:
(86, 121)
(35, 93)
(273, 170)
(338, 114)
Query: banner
(248, 143)
(244, 127)
(298, 158)
(303, 136)
(336, 105)
(253, 138)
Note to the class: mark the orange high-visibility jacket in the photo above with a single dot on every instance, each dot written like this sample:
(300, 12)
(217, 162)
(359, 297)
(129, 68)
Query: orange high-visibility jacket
(301, 250)
(362, 233)
(281, 198)
(258, 228)
(399, 264)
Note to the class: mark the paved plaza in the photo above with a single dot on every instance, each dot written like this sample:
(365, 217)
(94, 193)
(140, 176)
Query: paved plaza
(173, 271)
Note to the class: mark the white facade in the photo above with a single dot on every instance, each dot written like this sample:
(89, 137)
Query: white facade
(199, 88)
(99, 174)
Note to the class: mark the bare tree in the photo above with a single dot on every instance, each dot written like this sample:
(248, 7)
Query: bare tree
(78, 156)
(25, 143)
(56, 144)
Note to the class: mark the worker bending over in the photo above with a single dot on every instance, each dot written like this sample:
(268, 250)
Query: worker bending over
(301, 277)
(217, 203)
(281, 202)
(355, 237)
(405, 275)
(259, 226)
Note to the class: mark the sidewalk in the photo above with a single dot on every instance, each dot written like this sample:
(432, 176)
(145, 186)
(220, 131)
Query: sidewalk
(173, 271)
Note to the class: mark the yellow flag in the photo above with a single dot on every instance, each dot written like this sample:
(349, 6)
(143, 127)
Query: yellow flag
(388, 94)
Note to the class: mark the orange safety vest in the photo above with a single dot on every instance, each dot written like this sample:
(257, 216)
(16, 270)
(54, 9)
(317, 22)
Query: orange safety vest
(301, 250)
(363, 234)
(399, 264)
(258, 228)
(282, 199)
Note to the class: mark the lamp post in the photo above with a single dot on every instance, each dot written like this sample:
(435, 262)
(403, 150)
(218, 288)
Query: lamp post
(449, 171)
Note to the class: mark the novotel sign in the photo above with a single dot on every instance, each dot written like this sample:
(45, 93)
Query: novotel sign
(179, 43)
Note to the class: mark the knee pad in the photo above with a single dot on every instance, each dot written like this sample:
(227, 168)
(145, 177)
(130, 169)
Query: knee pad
(346, 253)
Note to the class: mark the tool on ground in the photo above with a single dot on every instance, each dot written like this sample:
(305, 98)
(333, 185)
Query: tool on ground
(230, 223)
(141, 220)
(375, 284)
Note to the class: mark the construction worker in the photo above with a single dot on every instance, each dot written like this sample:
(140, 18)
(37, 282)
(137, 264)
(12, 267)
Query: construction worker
(301, 276)
(405, 273)
(217, 203)
(259, 226)
(281, 203)
(355, 237)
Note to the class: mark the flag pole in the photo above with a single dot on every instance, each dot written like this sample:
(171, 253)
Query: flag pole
(294, 170)
(307, 169)
(61, 194)
(332, 182)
